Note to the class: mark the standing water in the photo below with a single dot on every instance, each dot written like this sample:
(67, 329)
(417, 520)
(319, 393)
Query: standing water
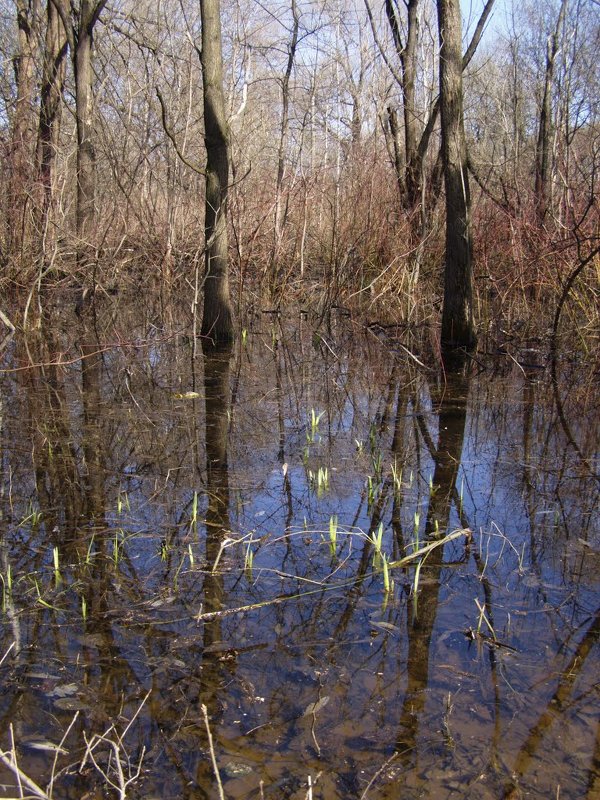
(309, 567)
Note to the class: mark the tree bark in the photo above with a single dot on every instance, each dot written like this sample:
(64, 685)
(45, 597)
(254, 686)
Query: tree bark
(280, 215)
(53, 76)
(542, 149)
(84, 110)
(79, 22)
(412, 177)
(22, 153)
(217, 323)
(457, 316)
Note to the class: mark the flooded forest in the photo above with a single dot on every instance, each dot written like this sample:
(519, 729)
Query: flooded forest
(299, 417)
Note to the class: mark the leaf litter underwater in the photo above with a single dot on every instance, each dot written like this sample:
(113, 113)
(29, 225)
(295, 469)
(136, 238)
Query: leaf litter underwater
(305, 568)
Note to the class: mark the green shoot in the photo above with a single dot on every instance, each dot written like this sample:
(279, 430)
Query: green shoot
(122, 502)
(118, 544)
(314, 425)
(88, 555)
(249, 561)
(83, 608)
(388, 583)
(372, 436)
(397, 478)
(39, 596)
(377, 540)
(57, 575)
(417, 521)
(322, 481)
(333, 525)
(370, 492)
(377, 465)
(194, 520)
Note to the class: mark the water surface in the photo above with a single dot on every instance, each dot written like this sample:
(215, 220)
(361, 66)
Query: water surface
(194, 541)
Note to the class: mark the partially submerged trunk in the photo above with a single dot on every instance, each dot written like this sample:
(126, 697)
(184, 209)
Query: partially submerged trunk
(217, 320)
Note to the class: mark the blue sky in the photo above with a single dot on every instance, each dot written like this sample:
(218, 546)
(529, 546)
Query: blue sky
(472, 11)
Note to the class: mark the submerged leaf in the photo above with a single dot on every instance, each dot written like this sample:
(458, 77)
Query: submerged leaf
(385, 626)
(313, 708)
(64, 690)
(40, 744)
(186, 395)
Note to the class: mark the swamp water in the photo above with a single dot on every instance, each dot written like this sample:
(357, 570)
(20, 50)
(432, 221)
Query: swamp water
(365, 578)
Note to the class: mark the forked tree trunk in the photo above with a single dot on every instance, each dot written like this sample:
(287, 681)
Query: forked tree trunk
(217, 322)
(457, 316)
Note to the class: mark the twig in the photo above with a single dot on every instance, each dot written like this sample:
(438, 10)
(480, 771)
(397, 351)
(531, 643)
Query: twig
(213, 757)
(10, 647)
(6, 321)
(58, 751)
(378, 773)
(22, 778)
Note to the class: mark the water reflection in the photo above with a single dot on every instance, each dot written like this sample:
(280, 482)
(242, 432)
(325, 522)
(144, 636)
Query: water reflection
(423, 603)
(212, 530)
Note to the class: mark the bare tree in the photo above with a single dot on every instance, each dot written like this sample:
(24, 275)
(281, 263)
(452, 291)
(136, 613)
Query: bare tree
(542, 150)
(22, 139)
(457, 316)
(79, 20)
(53, 76)
(217, 322)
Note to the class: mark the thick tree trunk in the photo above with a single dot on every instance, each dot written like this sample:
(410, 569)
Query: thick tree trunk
(457, 316)
(53, 76)
(217, 322)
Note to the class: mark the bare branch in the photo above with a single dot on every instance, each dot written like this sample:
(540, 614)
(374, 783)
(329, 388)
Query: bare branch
(171, 136)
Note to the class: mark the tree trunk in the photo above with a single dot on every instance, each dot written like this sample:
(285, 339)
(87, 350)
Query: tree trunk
(412, 177)
(457, 316)
(53, 76)
(542, 149)
(86, 154)
(274, 271)
(217, 322)
(22, 151)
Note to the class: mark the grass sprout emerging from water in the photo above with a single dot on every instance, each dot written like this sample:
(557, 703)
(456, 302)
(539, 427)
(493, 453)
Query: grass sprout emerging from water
(57, 575)
(397, 479)
(319, 480)
(313, 425)
(333, 529)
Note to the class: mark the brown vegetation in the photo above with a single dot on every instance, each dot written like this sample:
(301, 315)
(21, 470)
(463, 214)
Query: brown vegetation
(335, 191)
